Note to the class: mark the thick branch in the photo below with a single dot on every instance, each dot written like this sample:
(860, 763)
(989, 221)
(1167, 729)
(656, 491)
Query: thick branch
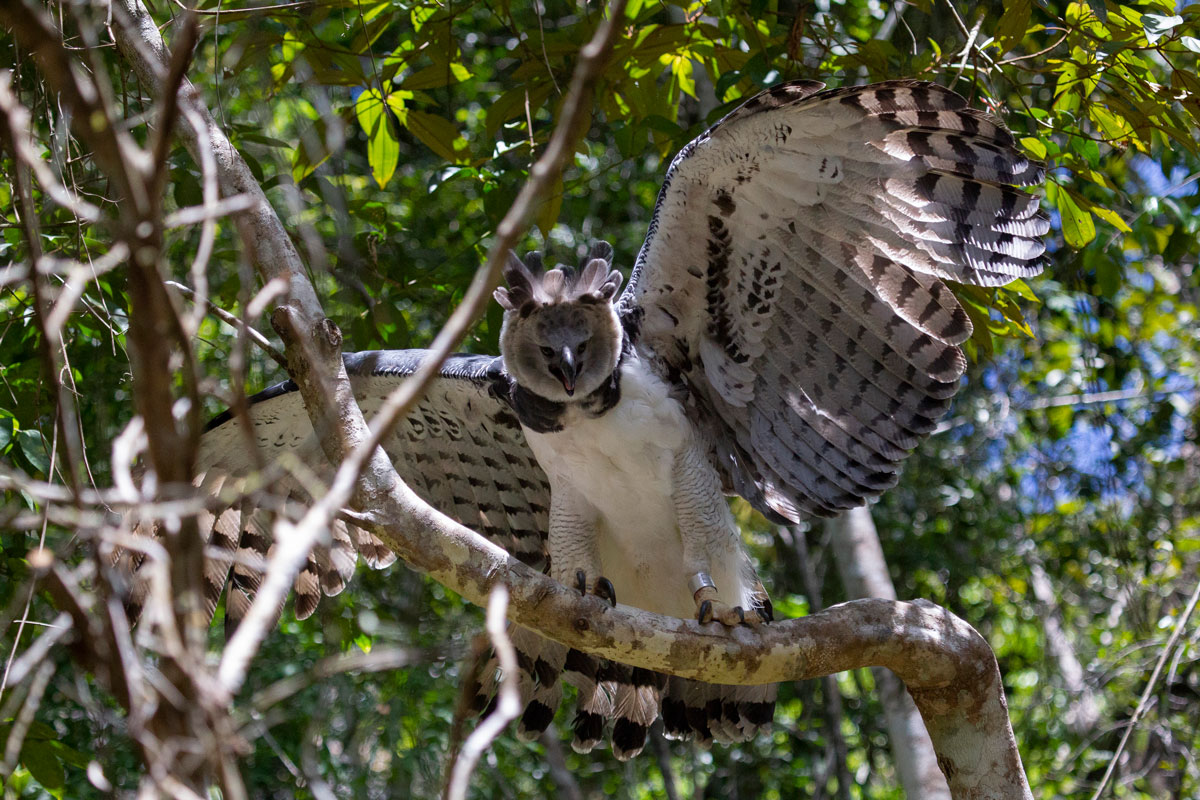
(946, 665)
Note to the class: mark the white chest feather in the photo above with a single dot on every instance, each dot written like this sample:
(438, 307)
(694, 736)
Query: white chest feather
(623, 466)
(622, 462)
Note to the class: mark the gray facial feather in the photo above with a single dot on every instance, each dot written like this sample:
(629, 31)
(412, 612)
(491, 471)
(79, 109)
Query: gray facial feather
(561, 337)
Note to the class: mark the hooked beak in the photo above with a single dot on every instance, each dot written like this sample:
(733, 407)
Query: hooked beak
(567, 371)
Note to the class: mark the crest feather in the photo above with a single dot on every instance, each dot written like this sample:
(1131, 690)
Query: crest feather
(530, 286)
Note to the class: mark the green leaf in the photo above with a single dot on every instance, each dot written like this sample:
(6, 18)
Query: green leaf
(435, 76)
(8, 426)
(383, 149)
(549, 209)
(1111, 125)
(396, 102)
(420, 16)
(33, 446)
(1013, 23)
(383, 152)
(1112, 218)
(187, 190)
(369, 109)
(39, 758)
(311, 151)
(1035, 146)
(1078, 227)
(436, 133)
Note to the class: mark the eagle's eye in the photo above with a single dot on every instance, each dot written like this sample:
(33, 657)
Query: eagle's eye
(548, 352)
(582, 348)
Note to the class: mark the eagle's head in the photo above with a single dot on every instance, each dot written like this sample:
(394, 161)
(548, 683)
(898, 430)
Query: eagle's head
(561, 337)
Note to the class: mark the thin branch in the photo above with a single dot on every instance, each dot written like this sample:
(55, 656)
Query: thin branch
(832, 695)
(1180, 626)
(272, 290)
(508, 704)
(378, 660)
(206, 212)
(20, 137)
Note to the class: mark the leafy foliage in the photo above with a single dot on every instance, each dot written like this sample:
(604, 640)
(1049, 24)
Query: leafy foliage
(394, 135)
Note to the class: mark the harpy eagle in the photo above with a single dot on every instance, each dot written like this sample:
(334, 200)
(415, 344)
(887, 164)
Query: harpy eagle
(786, 334)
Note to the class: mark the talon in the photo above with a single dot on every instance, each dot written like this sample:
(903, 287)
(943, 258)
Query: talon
(764, 614)
(581, 581)
(705, 614)
(741, 614)
(604, 590)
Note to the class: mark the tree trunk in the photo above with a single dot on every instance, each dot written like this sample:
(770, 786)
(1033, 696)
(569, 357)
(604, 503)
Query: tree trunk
(1083, 713)
(864, 572)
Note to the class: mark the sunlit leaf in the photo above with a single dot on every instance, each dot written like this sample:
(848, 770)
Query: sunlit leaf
(1078, 227)
(1112, 218)
(420, 15)
(436, 76)
(383, 149)
(1035, 146)
(1159, 25)
(1010, 30)
(436, 133)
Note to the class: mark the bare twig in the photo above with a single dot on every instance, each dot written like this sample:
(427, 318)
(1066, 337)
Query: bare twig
(832, 695)
(378, 660)
(19, 128)
(20, 726)
(564, 779)
(1180, 626)
(206, 212)
(18, 668)
(271, 291)
(662, 754)
(508, 703)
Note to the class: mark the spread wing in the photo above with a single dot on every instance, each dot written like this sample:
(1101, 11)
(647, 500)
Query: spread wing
(461, 449)
(793, 279)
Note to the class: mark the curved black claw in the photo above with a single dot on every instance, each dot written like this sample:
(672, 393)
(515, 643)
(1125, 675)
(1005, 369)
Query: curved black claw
(605, 591)
(741, 614)
(602, 588)
(705, 614)
(765, 613)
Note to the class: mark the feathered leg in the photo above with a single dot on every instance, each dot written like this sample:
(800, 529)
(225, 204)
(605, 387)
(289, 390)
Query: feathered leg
(707, 530)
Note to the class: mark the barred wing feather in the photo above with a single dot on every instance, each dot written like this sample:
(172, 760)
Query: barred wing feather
(460, 448)
(793, 279)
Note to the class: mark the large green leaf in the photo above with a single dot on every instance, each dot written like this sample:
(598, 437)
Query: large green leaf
(383, 149)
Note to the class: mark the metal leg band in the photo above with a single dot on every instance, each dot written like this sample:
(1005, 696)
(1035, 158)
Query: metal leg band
(701, 580)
